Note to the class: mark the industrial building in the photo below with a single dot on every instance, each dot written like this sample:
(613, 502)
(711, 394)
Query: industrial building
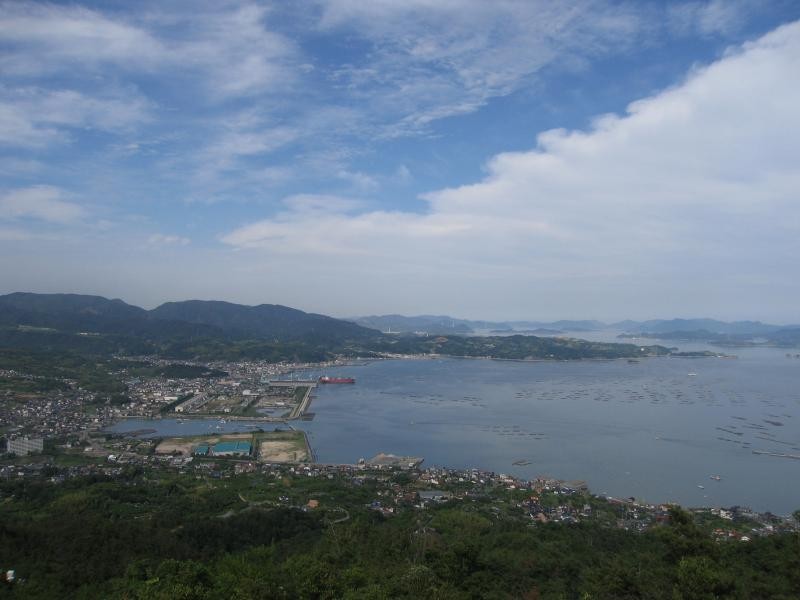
(235, 448)
(230, 448)
(23, 446)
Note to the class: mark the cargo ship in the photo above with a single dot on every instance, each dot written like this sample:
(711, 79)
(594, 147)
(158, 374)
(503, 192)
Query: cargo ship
(326, 379)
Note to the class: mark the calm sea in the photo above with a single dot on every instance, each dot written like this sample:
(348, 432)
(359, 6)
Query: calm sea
(657, 429)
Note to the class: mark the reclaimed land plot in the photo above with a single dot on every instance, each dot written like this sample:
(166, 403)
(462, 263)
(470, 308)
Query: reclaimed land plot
(282, 447)
(185, 445)
(268, 446)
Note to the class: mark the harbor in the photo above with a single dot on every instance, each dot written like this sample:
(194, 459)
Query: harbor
(646, 429)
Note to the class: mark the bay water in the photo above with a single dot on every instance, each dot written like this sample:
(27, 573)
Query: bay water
(658, 429)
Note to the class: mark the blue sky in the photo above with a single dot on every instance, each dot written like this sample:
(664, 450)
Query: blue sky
(509, 159)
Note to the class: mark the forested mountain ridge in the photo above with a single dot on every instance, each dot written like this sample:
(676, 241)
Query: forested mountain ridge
(214, 330)
(193, 329)
(78, 313)
(270, 321)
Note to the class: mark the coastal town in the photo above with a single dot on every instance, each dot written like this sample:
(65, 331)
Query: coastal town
(178, 388)
(63, 434)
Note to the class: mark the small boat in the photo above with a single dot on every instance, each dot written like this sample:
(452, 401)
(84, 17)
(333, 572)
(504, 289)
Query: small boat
(327, 379)
(715, 477)
(692, 374)
(702, 487)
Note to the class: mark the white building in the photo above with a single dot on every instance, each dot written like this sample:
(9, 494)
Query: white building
(23, 446)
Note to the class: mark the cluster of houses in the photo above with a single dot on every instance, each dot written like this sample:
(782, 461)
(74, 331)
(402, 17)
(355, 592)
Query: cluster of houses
(56, 413)
(150, 396)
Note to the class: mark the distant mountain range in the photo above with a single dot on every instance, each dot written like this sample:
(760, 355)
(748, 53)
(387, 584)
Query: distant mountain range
(736, 333)
(223, 330)
(709, 325)
(438, 325)
(196, 318)
(444, 324)
(711, 331)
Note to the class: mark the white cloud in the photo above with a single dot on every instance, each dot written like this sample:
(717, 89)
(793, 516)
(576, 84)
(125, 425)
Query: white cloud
(17, 128)
(242, 56)
(250, 140)
(360, 182)
(692, 191)
(710, 17)
(229, 47)
(36, 117)
(51, 35)
(41, 202)
(422, 62)
(236, 154)
(435, 59)
(160, 239)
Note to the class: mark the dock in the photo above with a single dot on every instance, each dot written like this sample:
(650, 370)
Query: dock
(390, 460)
(300, 409)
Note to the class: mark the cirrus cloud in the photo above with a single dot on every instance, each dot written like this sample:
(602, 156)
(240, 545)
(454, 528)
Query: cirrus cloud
(34, 117)
(230, 47)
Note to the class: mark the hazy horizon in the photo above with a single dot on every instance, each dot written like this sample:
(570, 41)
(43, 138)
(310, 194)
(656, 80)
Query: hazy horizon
(606, 321)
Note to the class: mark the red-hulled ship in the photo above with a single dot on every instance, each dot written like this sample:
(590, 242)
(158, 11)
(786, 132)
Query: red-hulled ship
(326, 379)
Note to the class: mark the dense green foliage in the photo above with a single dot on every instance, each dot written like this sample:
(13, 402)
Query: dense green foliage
(171, 371)
(265, 321)
(63, 341)
(47, 370)
(220, 349)
(29, 385)
(164, 536)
